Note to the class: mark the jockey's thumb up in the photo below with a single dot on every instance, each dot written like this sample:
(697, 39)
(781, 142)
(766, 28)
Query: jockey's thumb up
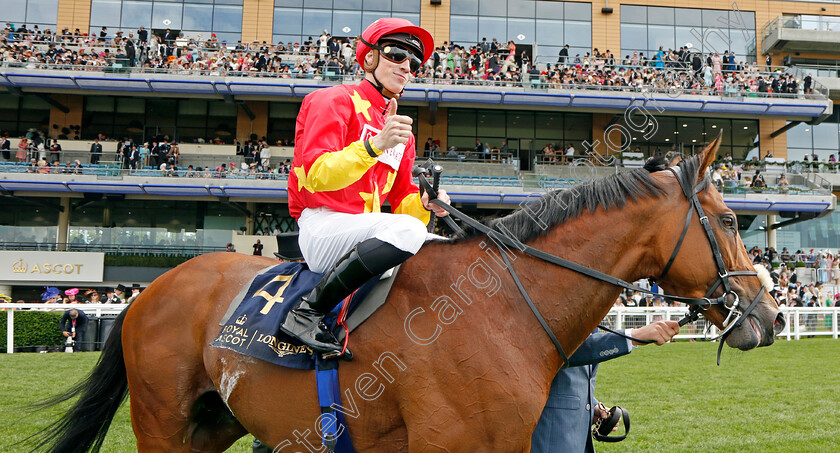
(659, 332)
(397, 129)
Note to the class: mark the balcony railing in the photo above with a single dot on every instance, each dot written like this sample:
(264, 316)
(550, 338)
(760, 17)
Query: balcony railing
(532, 83)
(801, 22)
(112, 249)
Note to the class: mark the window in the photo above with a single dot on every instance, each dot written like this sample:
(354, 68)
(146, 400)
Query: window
(645, 28)
(13, 10)
(297, 20)
(136, 14)
(18, 114)
(167, 15)
(227, 18)
(198, 17)
(540, 128)
(223, 17)
(42, 11)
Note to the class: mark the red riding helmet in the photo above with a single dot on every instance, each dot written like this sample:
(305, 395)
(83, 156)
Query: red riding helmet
(410, 34)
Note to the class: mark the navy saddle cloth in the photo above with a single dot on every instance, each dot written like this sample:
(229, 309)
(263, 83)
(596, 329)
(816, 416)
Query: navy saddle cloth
(252, 328)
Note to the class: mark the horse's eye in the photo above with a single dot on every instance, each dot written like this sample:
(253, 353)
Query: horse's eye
(728, 221)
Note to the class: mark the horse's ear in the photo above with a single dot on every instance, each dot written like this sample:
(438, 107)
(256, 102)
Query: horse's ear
(675, 160)
(708, 156)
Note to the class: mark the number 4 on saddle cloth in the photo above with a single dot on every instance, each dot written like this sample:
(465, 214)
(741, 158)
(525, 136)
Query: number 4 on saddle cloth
(251, 324)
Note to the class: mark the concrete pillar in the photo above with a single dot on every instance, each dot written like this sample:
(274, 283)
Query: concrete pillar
(771, 234)
(7, 290)
(63, 223)
(75, 104)
(107, 231)
(245, 126)
(435, 18)
(258, 20)
(426, 129)
(74, 14)
(251, 220)
(772, 145)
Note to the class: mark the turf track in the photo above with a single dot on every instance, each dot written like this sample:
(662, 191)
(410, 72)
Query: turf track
(778, 399)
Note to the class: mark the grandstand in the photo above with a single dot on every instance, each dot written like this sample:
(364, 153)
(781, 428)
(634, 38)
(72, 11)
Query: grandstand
(508, 117)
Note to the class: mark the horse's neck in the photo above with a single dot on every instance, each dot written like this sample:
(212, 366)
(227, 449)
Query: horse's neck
(616, 242)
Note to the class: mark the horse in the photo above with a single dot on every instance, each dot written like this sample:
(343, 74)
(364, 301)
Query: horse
(454, 361)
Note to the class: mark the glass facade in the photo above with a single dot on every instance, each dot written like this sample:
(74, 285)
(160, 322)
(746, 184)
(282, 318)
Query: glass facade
(821, 233)
(690, 134)
(195, 18)
(645, 28)
(302, 20)
(546, 25)
(526, 131)
(184, 120)
(822, 139)
(19, 113)
(43, 13)
(30, 223)
(154, 222)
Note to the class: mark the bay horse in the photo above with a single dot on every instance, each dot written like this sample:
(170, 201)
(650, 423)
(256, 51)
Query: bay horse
(454, 361)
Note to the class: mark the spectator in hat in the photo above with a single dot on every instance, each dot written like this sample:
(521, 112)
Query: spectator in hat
(135, 291)
(120, 292)
(111, 297)
(50, 295)
(93, 296)
(73, 325)
(71, 295)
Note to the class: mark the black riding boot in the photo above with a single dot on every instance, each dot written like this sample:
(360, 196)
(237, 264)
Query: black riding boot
(366, 260)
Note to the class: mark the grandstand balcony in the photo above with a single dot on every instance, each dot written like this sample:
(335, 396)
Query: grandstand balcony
(801, 33)
(533, 93)
(486, 185)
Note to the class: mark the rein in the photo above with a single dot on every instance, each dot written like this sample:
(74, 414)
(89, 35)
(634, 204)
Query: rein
(734, 319)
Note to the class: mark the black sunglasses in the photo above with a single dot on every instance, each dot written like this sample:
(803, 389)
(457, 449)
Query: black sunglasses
(399, 54)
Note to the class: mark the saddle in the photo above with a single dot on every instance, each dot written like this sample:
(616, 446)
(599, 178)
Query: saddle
(250, 325)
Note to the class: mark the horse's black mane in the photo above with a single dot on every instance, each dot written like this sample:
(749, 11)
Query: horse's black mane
(561, 205)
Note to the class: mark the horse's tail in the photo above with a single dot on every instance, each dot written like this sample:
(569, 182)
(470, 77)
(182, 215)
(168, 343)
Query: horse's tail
(84, 426)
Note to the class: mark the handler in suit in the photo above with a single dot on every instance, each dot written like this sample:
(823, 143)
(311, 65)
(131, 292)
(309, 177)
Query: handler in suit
(74, 324)
(566, 421)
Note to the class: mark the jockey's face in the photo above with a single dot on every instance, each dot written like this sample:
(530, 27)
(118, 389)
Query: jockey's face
(393, 76)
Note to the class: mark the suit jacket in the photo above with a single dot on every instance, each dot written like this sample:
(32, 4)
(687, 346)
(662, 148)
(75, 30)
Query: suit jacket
(566, 421)
(66, 322)
(96, 148)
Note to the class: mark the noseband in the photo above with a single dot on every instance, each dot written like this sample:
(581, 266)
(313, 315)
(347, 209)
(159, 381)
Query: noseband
(734, 318)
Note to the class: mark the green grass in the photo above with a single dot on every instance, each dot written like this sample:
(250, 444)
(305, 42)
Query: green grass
(26, 378)
(778, 399)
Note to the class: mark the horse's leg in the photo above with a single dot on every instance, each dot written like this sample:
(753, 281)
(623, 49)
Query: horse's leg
(174, 405)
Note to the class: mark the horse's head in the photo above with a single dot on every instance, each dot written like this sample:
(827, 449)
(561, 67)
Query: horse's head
(712, 262)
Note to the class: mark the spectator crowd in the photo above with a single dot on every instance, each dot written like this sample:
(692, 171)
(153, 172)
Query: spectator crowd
(486, 62)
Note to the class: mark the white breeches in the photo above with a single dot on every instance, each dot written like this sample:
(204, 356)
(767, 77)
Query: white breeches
(327, 235)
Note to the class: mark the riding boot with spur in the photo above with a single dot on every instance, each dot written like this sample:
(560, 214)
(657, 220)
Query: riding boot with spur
(366, 260)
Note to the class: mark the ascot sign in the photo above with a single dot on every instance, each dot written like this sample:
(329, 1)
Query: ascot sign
(52, 266)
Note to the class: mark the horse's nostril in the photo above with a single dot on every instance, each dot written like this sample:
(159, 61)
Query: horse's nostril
(779, 325)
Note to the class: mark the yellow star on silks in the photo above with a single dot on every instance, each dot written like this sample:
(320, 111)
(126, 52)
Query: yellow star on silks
(360, 105)
(303, 181)
(372, 203)
(389, 182)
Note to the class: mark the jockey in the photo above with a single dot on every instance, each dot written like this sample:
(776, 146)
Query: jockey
(353, 152)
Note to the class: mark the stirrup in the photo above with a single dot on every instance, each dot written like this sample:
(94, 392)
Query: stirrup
(347, 356)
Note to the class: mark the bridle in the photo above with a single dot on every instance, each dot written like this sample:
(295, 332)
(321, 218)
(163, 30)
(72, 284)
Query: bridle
(734, 319)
